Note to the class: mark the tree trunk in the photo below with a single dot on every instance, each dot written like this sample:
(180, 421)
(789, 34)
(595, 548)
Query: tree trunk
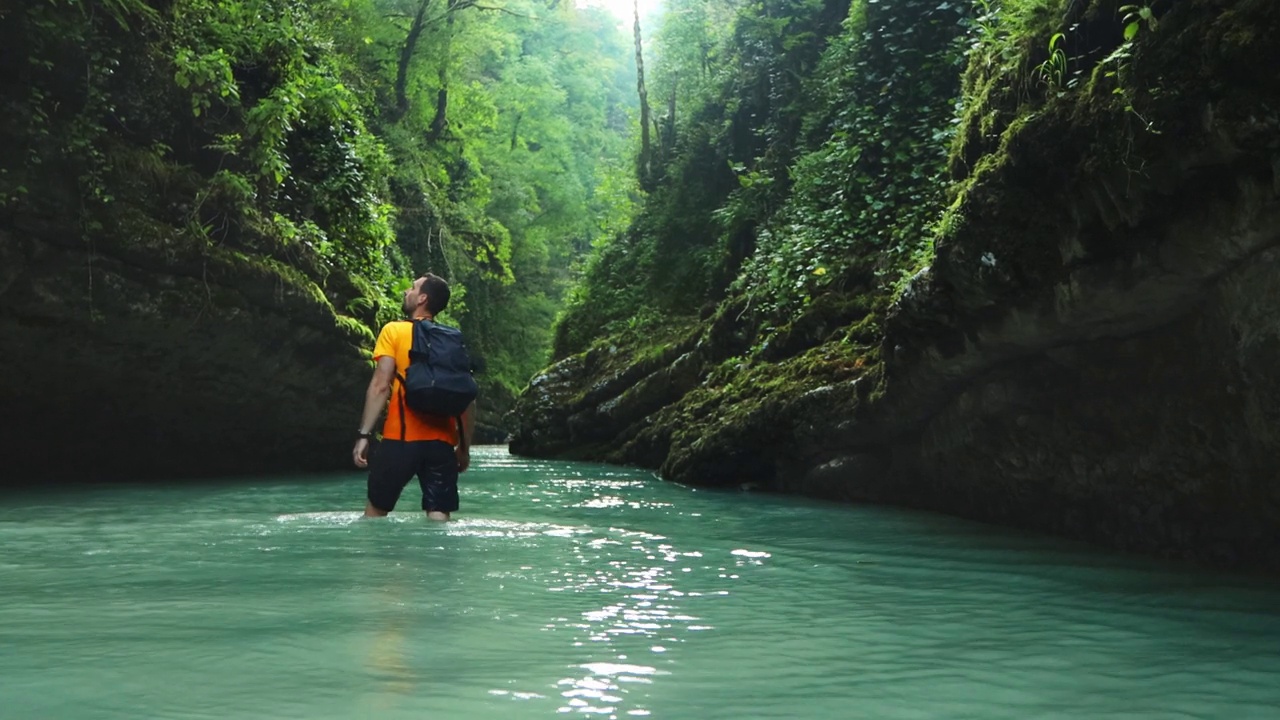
(406, 57)
(667, 138)
(440, 123)
(644, 164)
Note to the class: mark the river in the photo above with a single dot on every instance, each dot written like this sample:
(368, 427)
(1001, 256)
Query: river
(578, 589)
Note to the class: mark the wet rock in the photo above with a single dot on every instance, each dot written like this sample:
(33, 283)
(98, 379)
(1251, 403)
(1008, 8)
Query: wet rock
(122, 365)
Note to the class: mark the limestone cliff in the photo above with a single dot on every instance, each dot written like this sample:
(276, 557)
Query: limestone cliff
(1094, 351)
(153, 360)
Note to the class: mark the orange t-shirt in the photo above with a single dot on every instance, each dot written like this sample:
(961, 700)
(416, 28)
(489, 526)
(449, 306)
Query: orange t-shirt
(394, 341)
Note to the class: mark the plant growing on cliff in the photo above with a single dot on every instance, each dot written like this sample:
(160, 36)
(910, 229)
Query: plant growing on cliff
(1053, 71)
(1134, 17)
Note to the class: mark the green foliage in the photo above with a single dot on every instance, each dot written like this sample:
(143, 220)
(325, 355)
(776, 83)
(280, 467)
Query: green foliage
(534, 172)
(206, 76)
(1135, 16)
(727, 91)
(866, 191)
(1004, 43)
(268, 131)
(1053, 71)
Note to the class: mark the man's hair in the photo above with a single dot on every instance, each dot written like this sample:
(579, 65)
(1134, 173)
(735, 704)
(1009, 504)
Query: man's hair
(437, 291)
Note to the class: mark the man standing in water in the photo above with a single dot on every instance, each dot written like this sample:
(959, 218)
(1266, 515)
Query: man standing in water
(413, 443)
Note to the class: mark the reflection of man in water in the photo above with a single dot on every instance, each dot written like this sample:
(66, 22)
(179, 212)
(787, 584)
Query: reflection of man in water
(413, 443)
(388, 660)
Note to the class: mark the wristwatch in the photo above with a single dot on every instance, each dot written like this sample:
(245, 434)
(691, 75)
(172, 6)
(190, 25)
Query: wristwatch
(361, 435)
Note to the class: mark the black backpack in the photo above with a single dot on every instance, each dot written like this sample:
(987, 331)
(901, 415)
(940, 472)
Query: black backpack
(438, 380)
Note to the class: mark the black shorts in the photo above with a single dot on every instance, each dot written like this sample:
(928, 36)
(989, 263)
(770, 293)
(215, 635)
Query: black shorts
(396, 461)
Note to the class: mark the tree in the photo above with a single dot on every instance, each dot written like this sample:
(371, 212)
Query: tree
(646, 166)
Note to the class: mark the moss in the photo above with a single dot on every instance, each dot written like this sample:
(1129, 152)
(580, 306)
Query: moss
(758, 406)
(616, 362)
(999, 79)
(812, 326)
(360, 333)
(229, 277)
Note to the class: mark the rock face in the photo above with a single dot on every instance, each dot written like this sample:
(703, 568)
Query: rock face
(554, 418)
(1094, 352)
(158, 363)
(1133, 402)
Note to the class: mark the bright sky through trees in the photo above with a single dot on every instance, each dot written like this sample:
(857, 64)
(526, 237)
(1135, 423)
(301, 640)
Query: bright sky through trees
(625, 9)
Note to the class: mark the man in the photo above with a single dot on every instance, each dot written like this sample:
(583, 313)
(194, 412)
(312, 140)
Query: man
(424, 445)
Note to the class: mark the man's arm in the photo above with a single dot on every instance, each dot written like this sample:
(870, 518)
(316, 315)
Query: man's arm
(375, 399)
(468, 432)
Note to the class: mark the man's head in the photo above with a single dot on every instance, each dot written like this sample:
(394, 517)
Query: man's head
(429, 292)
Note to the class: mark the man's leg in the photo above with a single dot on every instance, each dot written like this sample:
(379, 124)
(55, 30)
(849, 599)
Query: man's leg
(390, 470)
(438, 476)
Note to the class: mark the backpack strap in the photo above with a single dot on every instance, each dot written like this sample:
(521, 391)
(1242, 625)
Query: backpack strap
(400, 379)
(462, 434)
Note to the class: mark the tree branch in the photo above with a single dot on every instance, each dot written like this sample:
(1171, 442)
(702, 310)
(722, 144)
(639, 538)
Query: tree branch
(503, 10)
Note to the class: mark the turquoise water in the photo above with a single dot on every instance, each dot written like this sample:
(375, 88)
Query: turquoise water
(586, 590)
